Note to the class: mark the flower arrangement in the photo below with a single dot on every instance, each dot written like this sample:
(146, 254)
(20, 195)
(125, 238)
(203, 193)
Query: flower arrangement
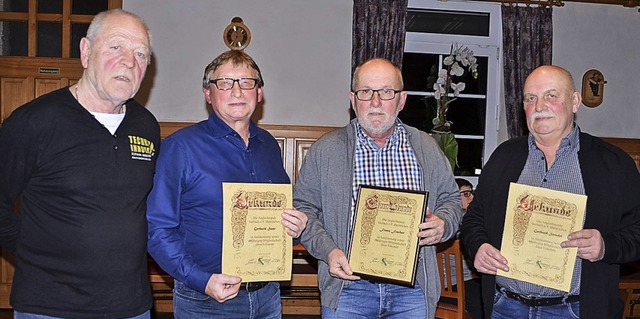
(446, 90)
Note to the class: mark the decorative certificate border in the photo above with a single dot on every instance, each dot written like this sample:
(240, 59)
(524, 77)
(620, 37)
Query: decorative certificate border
(537, 220)
(384, 245)
(255, 245)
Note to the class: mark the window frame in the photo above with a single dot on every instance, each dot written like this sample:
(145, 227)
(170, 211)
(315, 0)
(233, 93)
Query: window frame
(488, 46)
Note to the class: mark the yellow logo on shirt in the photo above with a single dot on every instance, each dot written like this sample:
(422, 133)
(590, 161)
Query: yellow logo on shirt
(141, 148)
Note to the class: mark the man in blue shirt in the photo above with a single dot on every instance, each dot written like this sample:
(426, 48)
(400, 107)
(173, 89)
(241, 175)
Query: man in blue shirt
(185, 205)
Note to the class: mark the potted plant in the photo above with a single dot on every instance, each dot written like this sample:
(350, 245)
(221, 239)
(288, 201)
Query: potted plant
(446, 90)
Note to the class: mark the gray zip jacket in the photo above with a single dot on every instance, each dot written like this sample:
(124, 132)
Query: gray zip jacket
(323, 192)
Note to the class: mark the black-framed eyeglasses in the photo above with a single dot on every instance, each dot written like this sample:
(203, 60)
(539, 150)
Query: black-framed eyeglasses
(226, 84)
(383, 94)
(467, 193)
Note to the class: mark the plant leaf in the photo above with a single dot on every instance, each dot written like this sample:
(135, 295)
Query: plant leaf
(448, 145)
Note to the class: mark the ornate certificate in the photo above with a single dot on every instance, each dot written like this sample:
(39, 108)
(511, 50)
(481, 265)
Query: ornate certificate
(384, 245)
(537, 221)
(255, 245)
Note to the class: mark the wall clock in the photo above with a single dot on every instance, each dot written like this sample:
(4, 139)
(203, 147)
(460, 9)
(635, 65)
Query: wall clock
(236, 35)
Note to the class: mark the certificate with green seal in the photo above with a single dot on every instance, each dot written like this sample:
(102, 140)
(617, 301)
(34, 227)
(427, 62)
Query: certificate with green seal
(384, 245)
(537, 220)
(255, 245)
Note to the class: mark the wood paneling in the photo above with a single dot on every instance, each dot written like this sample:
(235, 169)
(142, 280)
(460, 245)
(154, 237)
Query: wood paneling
(13, 93)
(630, 145)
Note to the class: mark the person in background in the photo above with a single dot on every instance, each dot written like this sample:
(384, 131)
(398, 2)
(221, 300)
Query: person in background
(80, 161)
(185, 207)
(374, 149)
(557, 155)
(473, 297)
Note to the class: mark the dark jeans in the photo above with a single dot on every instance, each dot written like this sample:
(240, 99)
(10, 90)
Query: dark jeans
(260, 304)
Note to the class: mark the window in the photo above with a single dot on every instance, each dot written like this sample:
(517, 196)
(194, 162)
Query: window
(47, 28)
(432, 28)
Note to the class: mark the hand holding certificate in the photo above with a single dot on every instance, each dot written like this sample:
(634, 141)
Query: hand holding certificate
(385, 235)
(255, 245)
(536, 222)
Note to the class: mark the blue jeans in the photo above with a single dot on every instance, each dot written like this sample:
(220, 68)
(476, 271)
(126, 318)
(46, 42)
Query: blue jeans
(24, 315)
(263, 304)
(505, 308)
(363, 299)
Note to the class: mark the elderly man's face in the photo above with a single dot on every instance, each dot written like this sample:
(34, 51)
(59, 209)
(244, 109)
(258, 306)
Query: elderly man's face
(550, 103)
(116, 60)
(235, 105)
(377, 117)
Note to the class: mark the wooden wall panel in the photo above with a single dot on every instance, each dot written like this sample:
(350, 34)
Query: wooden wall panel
(13, 93)
(44, 86)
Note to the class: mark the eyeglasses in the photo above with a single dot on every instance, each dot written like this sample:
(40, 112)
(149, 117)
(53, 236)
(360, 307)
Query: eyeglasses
(226, 84)
(467, 193)
(383, 94)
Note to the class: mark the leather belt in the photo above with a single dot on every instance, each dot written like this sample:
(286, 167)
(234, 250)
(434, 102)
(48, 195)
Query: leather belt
(539, 301)
(253, 286)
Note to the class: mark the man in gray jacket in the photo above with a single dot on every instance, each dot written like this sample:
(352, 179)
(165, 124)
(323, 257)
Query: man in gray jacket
(374, 149)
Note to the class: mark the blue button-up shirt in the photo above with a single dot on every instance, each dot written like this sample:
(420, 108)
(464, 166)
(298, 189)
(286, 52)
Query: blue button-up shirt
(185, 204)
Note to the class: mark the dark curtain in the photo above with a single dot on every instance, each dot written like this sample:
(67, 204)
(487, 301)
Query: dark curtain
(527, 34)
(378, 30)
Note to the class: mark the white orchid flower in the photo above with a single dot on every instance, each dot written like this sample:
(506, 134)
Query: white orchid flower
(442, 77)
(438, 91)
(457, 70)
(457, 88)
(449, 60)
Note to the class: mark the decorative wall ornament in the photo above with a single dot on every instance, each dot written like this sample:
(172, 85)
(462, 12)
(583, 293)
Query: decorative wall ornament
(593, 88)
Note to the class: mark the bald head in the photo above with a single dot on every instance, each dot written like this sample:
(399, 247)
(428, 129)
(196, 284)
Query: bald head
(378, 66)
(552, 72)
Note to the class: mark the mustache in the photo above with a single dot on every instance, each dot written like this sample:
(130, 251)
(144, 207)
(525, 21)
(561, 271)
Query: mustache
(380, 111)
(537, 115)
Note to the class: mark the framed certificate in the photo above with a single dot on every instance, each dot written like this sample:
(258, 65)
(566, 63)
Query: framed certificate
(536, 222)
(384, 245)
(255, 245)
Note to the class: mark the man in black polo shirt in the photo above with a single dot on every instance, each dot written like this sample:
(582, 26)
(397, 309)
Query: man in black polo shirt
(80, 160)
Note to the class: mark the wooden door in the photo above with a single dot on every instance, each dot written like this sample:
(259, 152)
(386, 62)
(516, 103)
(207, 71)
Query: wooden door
(39, 52)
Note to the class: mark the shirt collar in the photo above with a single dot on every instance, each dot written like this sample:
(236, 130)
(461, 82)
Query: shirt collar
(392, 139)
(570, 142)
(221, 129)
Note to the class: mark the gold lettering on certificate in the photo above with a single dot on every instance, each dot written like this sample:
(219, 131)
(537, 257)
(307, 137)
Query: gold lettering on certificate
(528, 204)
(389, 232)
(537, 220)
(255, 245)
(242, 202)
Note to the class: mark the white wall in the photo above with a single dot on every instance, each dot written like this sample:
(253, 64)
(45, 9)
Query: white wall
(303, 48)
(602, 37)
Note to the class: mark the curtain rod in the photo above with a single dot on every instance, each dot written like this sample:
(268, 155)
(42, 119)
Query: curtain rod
(542, 3)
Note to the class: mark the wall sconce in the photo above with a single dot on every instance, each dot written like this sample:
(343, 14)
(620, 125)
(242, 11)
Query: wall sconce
(593, 88)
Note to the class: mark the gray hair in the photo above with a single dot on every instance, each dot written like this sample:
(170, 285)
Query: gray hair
(98, 22)
(237, 57)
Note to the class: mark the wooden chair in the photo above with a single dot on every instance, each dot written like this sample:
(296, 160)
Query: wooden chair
(454, 306)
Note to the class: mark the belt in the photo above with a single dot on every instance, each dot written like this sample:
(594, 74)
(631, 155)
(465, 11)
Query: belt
(538, 301)
(253, 286)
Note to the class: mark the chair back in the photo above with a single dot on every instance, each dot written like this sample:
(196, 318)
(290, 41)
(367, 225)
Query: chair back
(449, 258)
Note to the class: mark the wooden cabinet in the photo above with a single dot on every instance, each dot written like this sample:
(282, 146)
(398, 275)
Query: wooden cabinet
(22, 79)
